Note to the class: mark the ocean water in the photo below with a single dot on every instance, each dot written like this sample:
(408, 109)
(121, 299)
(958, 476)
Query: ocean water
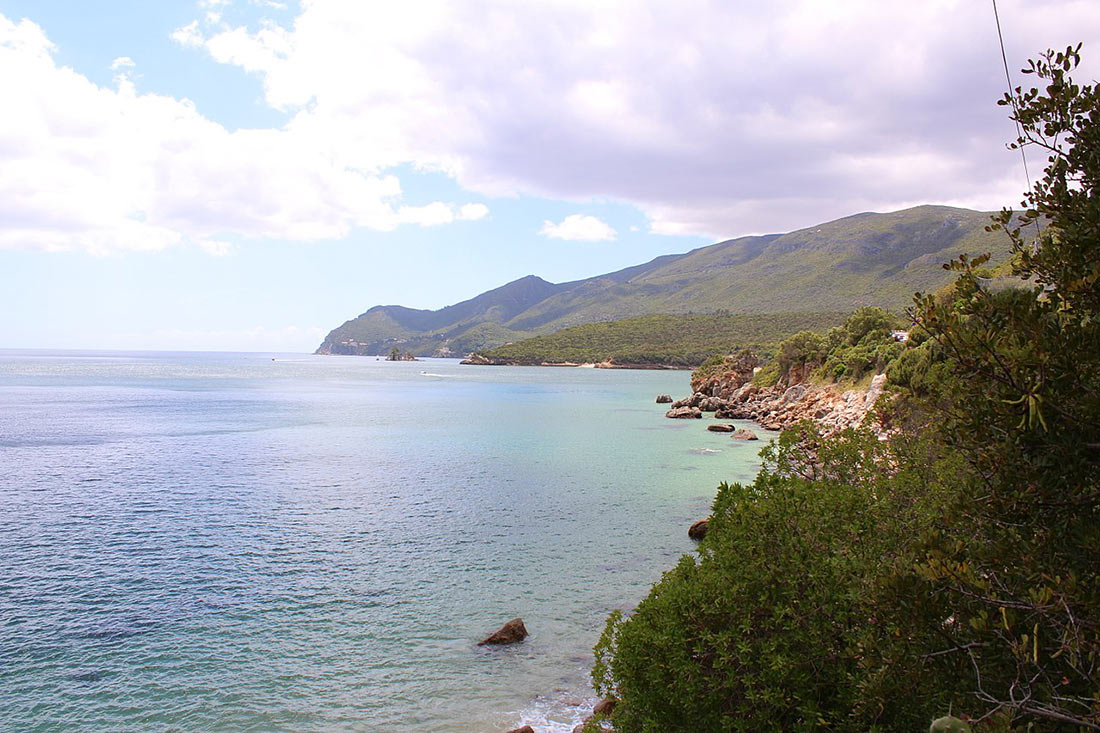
(284, 542)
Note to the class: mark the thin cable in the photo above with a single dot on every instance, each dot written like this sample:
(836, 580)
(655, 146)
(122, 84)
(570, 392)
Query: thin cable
(1015, 109)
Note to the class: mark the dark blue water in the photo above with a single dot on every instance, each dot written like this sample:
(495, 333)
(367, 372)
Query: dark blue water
(272, 542)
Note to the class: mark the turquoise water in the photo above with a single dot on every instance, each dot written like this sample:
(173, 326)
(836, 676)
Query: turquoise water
(286, 542)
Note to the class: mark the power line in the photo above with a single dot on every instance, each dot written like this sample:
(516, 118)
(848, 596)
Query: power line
(1012, 99)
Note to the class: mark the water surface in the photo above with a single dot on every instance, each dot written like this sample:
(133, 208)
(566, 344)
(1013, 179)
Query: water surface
(281, 542)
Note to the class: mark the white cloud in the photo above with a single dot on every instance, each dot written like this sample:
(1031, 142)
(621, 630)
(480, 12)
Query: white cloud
(473, 212)
(437, 213)
(712, 117)
(578, 228)
(108, 169)
(122, 62)
(215, 247)
(188, 35)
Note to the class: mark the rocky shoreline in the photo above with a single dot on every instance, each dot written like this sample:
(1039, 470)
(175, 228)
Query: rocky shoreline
(780, 407)
(731, 395)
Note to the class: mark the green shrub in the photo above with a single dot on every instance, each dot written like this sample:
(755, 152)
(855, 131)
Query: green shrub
(767, 376)
(769, 627)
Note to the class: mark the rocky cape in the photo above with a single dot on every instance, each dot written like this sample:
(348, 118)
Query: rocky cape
(731, 395)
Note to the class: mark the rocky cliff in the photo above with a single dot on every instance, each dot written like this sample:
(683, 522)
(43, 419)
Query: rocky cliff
(730, 394)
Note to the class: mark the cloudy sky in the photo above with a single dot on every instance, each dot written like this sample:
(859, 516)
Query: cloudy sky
(247, 174)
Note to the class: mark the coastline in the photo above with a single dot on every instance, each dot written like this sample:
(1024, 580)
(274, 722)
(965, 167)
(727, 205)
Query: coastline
(539, 713)
(479, 360)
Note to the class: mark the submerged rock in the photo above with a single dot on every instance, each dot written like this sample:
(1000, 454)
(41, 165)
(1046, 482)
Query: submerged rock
(698, 530)
(680, 412)
(663, 398)
(510, 633)
(720, 428)
(744, 434)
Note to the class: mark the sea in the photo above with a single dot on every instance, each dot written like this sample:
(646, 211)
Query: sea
(287, 542)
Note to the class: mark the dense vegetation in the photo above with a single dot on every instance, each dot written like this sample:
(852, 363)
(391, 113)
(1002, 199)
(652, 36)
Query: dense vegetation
(863, 344)
(865, 259)
(673, 340)
(866, 584)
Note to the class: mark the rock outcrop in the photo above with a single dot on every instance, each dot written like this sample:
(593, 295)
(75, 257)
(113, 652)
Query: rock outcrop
(510, 633)
(663, 398)
(736, 371)
(712, 404)
(744, 434)
(605, 706)
(479, 360)
(524, 729)
(684, 412)
(720, 428)
(781, 406)
(698, 530)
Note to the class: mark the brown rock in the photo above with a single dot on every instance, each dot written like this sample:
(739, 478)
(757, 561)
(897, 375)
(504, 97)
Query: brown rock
(524, 729)
(698, 530)
(663, 398)
(720, 428)
(510, 633)
(682, 412)
(605, 706)
(793, 394)
(710, 404)
(744, 434)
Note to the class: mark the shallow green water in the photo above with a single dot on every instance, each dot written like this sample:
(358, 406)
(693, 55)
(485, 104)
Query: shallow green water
(270, 542)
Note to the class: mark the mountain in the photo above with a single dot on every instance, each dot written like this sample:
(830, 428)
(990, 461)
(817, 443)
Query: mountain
(864, 259)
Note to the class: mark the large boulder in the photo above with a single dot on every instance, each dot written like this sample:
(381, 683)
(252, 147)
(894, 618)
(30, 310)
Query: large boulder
(793, 394)
(605, 706)
(698, 530)
(682, 412)
(744, 392)
(710, 404)
(744, 434)
(509, 633)
(720, 428)
(694, 400)
(663, 398)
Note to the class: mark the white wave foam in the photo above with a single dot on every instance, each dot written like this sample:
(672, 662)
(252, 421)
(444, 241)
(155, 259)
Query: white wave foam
(560, 712)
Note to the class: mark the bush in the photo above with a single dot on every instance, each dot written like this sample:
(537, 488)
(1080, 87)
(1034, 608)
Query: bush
(769, 627)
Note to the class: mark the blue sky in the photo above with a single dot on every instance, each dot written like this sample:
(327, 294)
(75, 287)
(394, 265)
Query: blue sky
(247, 174)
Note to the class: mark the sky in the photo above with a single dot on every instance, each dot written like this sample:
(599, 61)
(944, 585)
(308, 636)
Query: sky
(247, 174)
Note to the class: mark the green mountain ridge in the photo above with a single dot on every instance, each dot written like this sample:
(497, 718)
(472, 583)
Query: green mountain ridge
(865, 259)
